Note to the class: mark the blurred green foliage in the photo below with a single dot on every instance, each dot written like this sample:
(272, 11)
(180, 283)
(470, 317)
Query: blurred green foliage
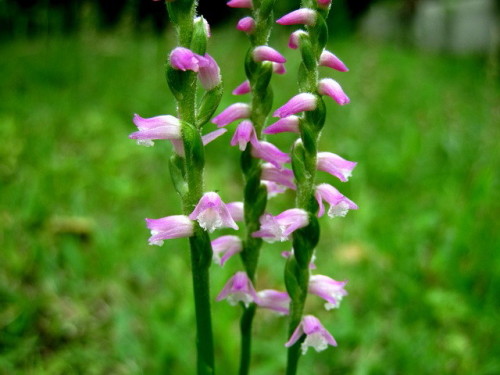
(81, 292)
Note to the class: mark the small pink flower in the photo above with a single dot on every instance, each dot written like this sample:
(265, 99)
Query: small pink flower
(225, 247)
(246, 24)
(243, 134)
(279, 227)
(238, 289)
(339, 203)
(330, 290)
(236, 210)
(209, 74)
(330, 60)
(279, 68)
(184, 59)
(283, 125)
(232, 113)
(211, 213)
(176, 226)
(243, 88)
(240, 4)
(159, 127)
(301, 102)
(330, 87)
(268, 152)
(274, 300)
(303, 16)
(206, 139)
(294, 40)
(266, 53)
(316, 335)
(335, 165)
(281, 176)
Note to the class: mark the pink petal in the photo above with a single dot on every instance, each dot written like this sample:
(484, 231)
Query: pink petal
(246, 24)
(266, 53)
(304, 16)
(242, 89)
(232, 113)
(330, 87)
(330, 60)
(302, 102)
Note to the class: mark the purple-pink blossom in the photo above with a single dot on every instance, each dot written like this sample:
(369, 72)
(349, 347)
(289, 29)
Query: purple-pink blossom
(274, 300)
(283, 125)
(158, 127)
(273, 189)
(279, 68)
(232, 113)
(279, 227)
(330, 60)
(243, 134)
(184, 59)
(225, 247)
(301, 102)
(268, 152)
(243, 88)
(209, 73)
(316, 335)
(266, 53)
(330, 290)
(247, 4)
(339, 203)
(335, 165)
(236, 210)
(281, 176)
(175, 226)
(211, 213)
(332, 88)
(294, 40)
(246, 24)
(303, 16)
(239, 288)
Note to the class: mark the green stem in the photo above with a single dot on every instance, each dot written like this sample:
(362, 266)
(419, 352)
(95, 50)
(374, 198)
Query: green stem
(246, 338)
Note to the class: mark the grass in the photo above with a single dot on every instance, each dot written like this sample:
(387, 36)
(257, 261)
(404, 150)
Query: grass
(81, 292)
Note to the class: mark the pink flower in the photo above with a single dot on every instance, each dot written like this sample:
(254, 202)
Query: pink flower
(225, 247)
(246, 24)
(206, 139)
(279, 227)
(281, 176)
(184, 59)
(240, 4)
(209, 74)
(211, 213)
(285, 124)
(303, 16)
(243, 134)
(294, 40)
(330, 60)
(238, 289)
(335, 165)
(159, 127)
(330, 87)
(301, 102)
(330, 290)
(236, 210)
(169, 227)
(243, 88)
(316, 335)
(268, 152)
(266, 53)
(274, 300)
(232, 113)
(339, 203)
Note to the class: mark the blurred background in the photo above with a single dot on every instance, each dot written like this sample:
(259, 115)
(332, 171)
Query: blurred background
(81, 292)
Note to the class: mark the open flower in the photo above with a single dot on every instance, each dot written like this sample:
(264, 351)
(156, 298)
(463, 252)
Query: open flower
(283, 125)
(268, 152)
(279, 227)
(239, 288)
(184, 59)
(243, 134)
(225, 247)
(211, 213)
(175, 226)
(209, 73)
(232, 113)
(330, 290)
(335, 165)
(159, 127)
(281, 176)
(316, 335)
(274, 300)
(236, 210)
(339, 203)
(301, 102)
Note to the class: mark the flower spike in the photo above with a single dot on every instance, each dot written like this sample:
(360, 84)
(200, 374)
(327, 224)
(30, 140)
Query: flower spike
(316, 335)
(175, 226)
(211, 213)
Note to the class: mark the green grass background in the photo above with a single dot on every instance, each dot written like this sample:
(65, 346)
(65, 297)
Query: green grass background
(81, 292)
